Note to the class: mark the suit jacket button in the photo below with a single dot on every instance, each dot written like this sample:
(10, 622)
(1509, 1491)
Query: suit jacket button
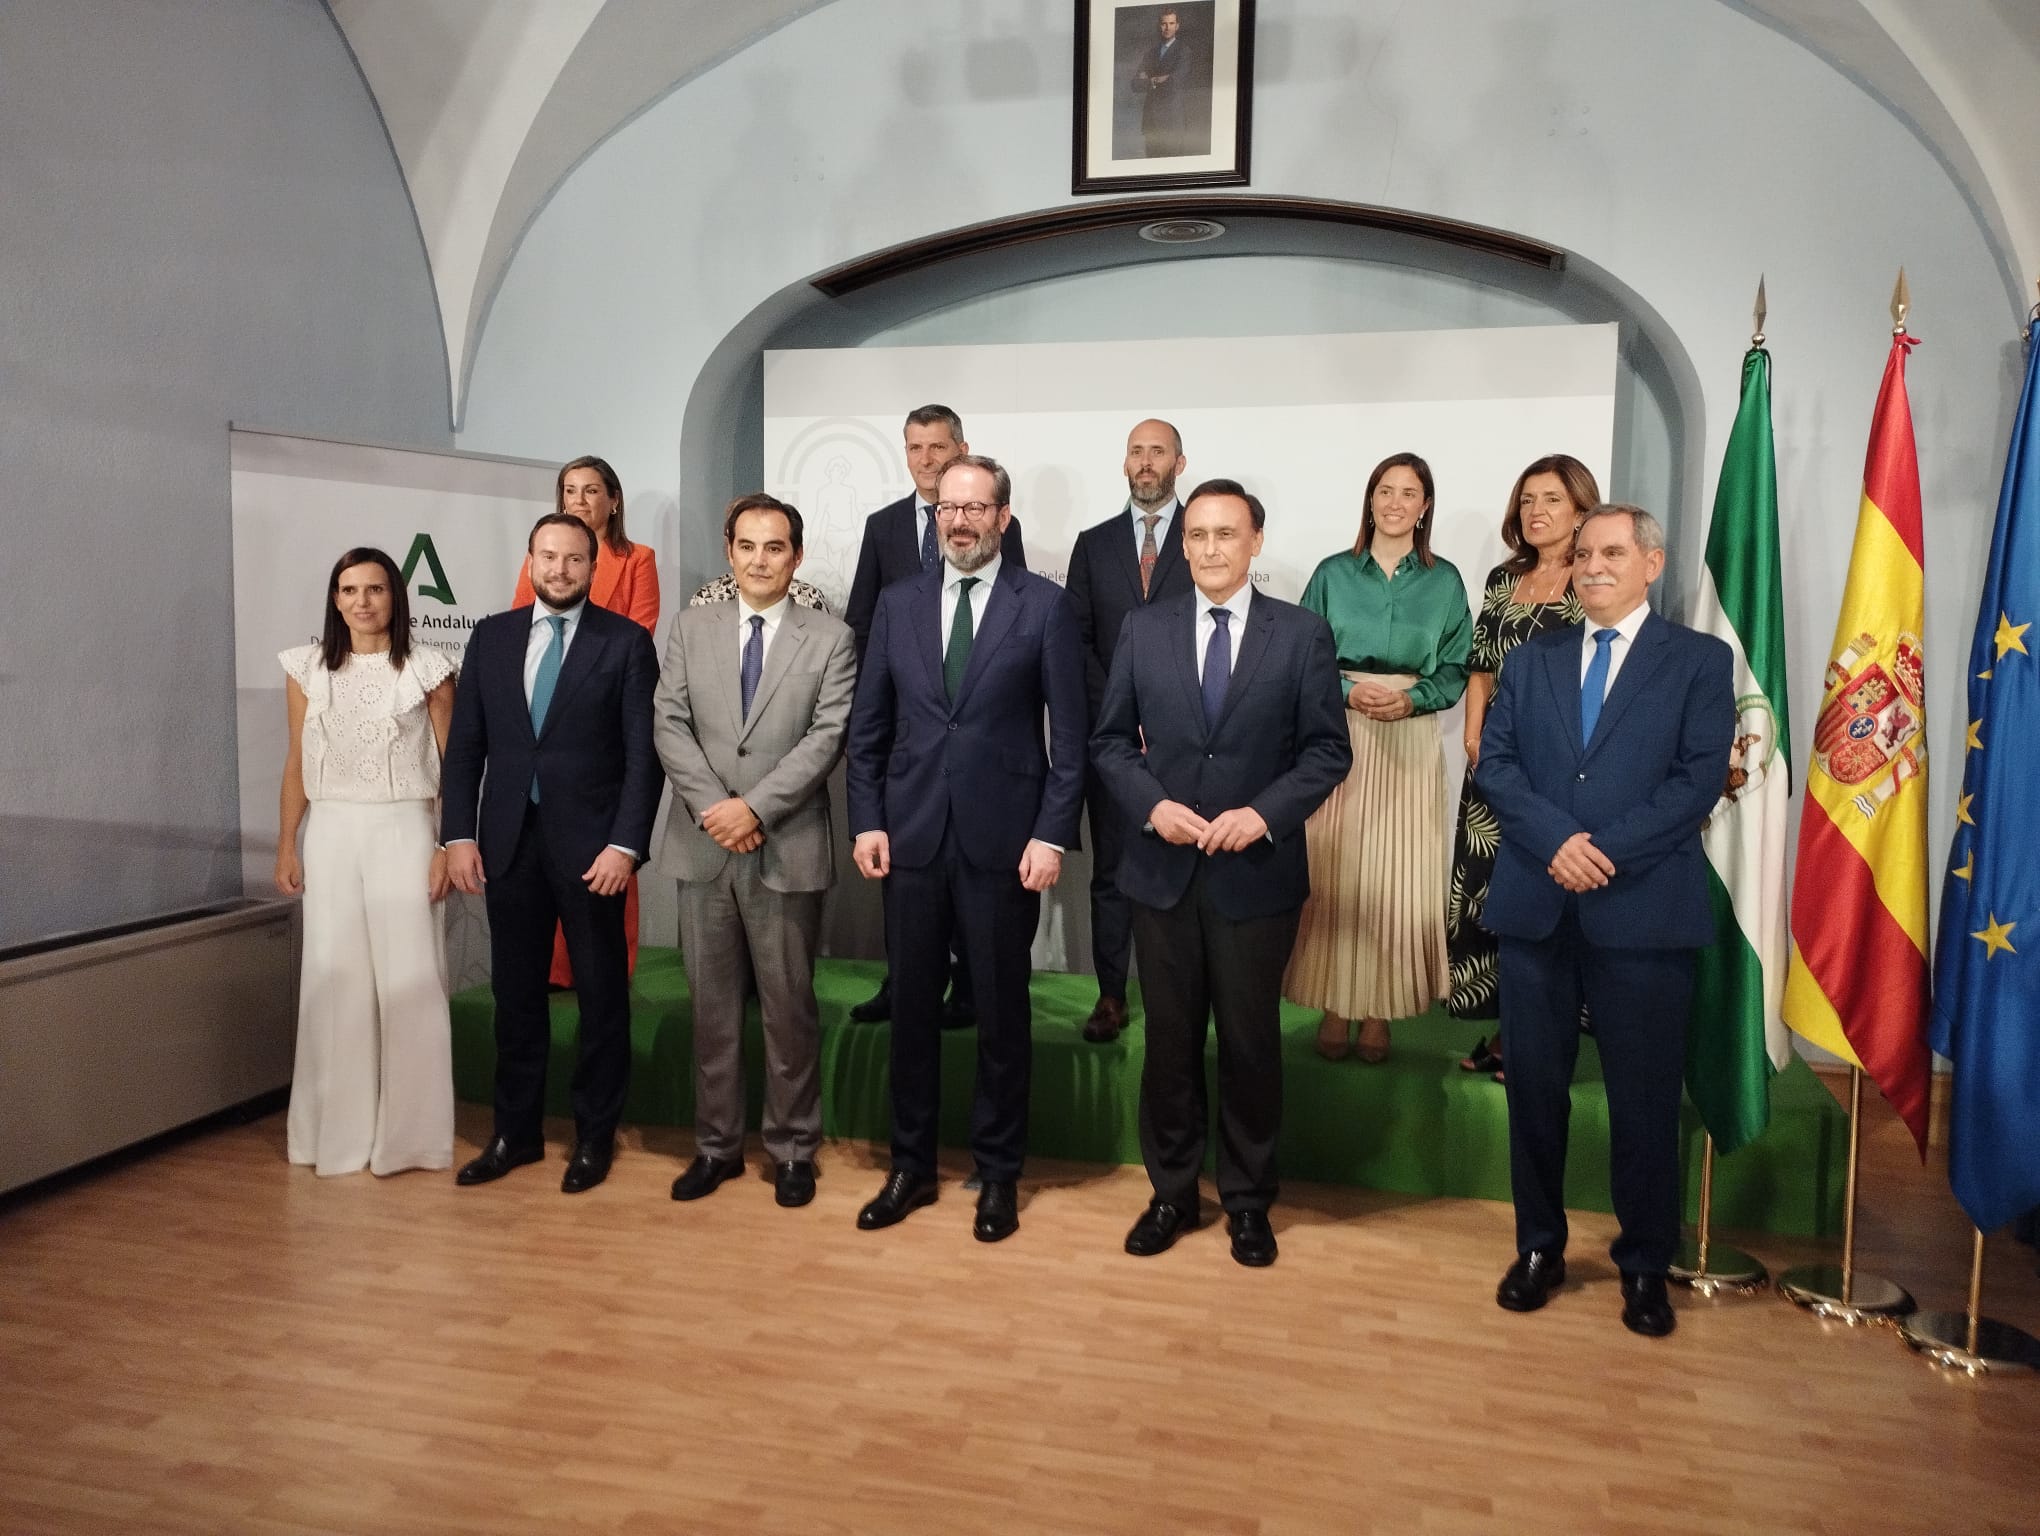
(952, 725)
(746, 752)
(1583, 778)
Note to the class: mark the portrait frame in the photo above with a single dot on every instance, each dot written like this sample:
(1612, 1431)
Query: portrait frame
(1148, 117)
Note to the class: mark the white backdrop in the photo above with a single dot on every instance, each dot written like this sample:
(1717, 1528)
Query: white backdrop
(1299, 420)
(298, 504)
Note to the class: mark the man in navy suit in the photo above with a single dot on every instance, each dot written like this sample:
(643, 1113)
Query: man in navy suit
(1604, 750)
(1222, 730)
(555, 707)
(899, 542)
(962, 807)
(1131, 560)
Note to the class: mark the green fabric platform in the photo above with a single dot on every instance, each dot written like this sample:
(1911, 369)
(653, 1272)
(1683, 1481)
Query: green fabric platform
(1416, 1125)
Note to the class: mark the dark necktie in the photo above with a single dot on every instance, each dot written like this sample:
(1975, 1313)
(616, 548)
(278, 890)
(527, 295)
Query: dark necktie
(1148, 553)
(1217, 666)
(956, 659)
(546, 679)
(1594, 689)
(928, 554)
(754, 662)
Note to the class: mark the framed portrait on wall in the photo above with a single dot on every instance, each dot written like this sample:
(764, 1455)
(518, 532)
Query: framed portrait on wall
(1163, 94)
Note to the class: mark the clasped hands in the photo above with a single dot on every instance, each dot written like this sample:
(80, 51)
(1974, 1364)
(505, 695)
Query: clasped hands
(734, 825)
(1040, 865)
(1579, 865)
(1378, 701)
(1227, 832)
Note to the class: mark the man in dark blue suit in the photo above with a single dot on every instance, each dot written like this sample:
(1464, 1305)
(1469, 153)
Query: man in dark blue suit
(554, 709)
(899, 542)
(1222, 730)
(1130, 561)
(963, 808)
(1604, 750)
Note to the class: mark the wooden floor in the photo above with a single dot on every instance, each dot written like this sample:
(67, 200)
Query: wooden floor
(206, 1340)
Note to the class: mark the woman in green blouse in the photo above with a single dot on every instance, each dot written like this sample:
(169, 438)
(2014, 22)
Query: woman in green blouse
(1371, 945)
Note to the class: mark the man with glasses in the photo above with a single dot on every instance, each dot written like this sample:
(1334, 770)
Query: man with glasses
(899, 542)
(962, 805)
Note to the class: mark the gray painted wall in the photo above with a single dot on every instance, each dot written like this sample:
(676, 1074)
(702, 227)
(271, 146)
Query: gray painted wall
(204, 223)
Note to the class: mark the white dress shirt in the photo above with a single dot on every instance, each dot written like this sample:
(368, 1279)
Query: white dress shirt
(542, 633)
(952, 584)
(1167, 515)
(771, 616)
(1618, 649)
(1236, 605)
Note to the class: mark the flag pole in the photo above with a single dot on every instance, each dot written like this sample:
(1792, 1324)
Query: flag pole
(1968, 1341)
(1708, 1270)
(1840, 1294)
(1696, 1263)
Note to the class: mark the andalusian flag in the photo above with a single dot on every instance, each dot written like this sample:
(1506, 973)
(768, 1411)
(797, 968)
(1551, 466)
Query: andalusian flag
(1987, 958)
(1858, 983)
(1736, 1039)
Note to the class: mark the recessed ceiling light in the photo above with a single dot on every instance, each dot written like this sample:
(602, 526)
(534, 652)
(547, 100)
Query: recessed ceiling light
(1182, 231)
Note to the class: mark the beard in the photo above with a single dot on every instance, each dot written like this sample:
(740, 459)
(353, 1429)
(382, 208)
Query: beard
(1161, 495)
(560, 596)
(978, 556)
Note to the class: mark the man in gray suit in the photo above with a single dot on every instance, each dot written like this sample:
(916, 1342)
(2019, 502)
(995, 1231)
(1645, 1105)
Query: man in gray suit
(749, 719)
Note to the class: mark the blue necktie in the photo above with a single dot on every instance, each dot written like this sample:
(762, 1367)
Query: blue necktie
(754, 662)
(1594, 690)
(928, 552)
(1217, 666)
(545, 681)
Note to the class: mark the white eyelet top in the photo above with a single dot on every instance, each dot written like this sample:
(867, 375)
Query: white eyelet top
(368, 737)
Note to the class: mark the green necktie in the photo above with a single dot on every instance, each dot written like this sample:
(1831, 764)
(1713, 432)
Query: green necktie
(956, 659)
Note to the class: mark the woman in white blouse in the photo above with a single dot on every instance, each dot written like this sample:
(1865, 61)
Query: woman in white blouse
(373, 1086)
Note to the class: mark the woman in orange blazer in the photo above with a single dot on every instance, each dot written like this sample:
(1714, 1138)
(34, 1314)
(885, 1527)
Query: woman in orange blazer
(626, 582)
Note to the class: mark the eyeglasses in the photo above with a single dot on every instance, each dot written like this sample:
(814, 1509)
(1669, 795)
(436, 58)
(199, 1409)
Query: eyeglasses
(966, 511)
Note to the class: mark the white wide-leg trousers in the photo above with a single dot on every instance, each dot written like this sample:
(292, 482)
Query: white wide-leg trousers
(373, 1087)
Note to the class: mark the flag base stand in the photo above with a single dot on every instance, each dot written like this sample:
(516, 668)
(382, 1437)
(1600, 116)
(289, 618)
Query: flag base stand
(1705, 1267)
(1968, 1341)
(1978, 1346)
(1716, 1270)
(1828, 1291)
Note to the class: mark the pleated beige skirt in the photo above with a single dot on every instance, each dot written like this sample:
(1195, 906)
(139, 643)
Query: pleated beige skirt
(1371, 943)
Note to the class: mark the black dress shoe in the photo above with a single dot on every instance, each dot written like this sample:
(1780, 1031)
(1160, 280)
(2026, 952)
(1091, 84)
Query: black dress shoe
(1646, 1308)
(701, 1176)
(959, 1012)
(793, 1183)
(903, 1192)
(1253, 1240)
(588, 1166)
(497, 1159)
(998, 1211)
(1159, 1227)
(1107, 1019)
(875, 1009)
(1531, 1280)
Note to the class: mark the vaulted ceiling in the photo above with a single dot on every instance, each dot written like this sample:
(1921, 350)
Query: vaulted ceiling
(491, 105)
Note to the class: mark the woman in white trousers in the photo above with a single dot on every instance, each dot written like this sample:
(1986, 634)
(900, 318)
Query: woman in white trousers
(368, 711)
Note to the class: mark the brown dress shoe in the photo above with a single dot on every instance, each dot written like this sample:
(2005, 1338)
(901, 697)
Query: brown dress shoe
(1106, 1021)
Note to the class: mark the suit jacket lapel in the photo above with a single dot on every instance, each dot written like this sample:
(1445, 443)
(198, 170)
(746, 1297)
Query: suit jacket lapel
(1561, 671)
(1126, 557)
(1646, 654)
(925, 615)
(728, 687)
(785, 645)
(1002, 607)
(587, 643)
(515, 676)
(1253, 646)
(906, 536)
(1188, 661)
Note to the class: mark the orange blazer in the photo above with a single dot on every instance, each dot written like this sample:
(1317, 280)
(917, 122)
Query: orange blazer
(628, 585)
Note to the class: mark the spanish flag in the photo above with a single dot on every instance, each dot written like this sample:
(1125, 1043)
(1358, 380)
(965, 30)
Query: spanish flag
(1857, 984)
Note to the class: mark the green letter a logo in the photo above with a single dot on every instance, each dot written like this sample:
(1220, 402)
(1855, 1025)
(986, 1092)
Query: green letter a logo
(441, 587)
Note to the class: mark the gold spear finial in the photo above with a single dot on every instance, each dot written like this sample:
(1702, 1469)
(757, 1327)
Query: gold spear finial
(1901, 303)
(1758, 314)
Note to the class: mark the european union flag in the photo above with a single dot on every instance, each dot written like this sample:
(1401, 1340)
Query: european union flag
(1987, 954)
